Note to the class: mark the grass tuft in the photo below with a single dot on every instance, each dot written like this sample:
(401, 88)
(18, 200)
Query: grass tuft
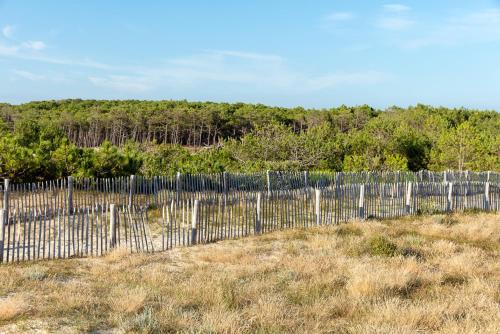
(412, 252)
(348, 230)
(12, 307)
(144, 322)
(448, 220)
(35, 273)
(381, 246)
(453, 279)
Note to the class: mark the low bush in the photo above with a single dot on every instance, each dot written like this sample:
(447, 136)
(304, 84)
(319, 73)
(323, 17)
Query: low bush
(381, 246)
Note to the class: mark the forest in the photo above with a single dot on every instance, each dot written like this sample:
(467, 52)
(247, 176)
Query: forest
(105, 138)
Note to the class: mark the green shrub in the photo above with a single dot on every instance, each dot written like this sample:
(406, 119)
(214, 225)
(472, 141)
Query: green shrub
(381, 246)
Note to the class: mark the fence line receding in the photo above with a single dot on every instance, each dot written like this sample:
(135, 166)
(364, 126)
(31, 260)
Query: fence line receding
(88, 217)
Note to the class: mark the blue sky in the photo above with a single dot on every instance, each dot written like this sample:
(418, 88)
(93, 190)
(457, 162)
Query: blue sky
(287, 53)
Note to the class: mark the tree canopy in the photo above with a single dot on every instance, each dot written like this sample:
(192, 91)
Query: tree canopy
(51, 139)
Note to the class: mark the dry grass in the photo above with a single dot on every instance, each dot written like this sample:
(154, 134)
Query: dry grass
(11, 307)
(413, 275)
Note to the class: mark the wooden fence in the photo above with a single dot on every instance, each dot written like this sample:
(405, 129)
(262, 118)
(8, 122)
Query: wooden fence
(38, 228)
(156, 191)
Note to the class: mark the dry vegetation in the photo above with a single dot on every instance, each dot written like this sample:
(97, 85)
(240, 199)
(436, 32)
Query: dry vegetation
(412, 275)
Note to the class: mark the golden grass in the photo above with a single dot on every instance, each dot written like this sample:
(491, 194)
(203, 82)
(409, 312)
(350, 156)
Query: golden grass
(11, 307)
(412, 275)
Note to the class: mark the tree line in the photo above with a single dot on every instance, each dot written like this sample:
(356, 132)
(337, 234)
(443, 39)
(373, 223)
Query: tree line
(51, 139)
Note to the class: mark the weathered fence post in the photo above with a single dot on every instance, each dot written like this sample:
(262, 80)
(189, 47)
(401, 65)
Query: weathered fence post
(6, 204)
(398, 179)
(258, 220)
(132, 191)
(155, 189)
(194, 222)
(112, 225)
(317, 205)
(6, 193)
(487, 196)
(268, 177)
(70, 195)
(2, 232)
(467, 191)
(445, 177)
(450, 198)
(361, 203)
(224, 182)
(337, 213)
(178, 187)
(306, 179)
(408, 197)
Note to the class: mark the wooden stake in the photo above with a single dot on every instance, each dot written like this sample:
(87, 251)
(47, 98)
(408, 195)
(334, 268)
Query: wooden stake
(2, 233)
(317, 203)
(194, 222)
(258, 221)
(178, 187)
(361, 204)
(70, 195)
(112, 225)
(268, 177)
(6, 204)
(449, 198)
(408, 197)
(132, 190)
(487, 196)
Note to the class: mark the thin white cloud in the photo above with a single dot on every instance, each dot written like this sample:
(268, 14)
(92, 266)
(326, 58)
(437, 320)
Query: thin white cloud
(226, 66)
(396, 8)
(28, 75)
(346, 78)
(70, 62)
(34, 45)
(240, 69)
(231, 68)
(31, 50)
(472, 28)
(339, 16)
(25, 50)
(395, 23)
(8, 51)
(121, 83)
(8, 31)
(247, 55)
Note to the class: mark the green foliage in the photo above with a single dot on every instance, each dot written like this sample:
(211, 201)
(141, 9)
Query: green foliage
(109, 160)
(277, 146)
(164, 160)
(68, 159)
(467, 148)
(51, 139)
(16, 161)
(381, 246)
